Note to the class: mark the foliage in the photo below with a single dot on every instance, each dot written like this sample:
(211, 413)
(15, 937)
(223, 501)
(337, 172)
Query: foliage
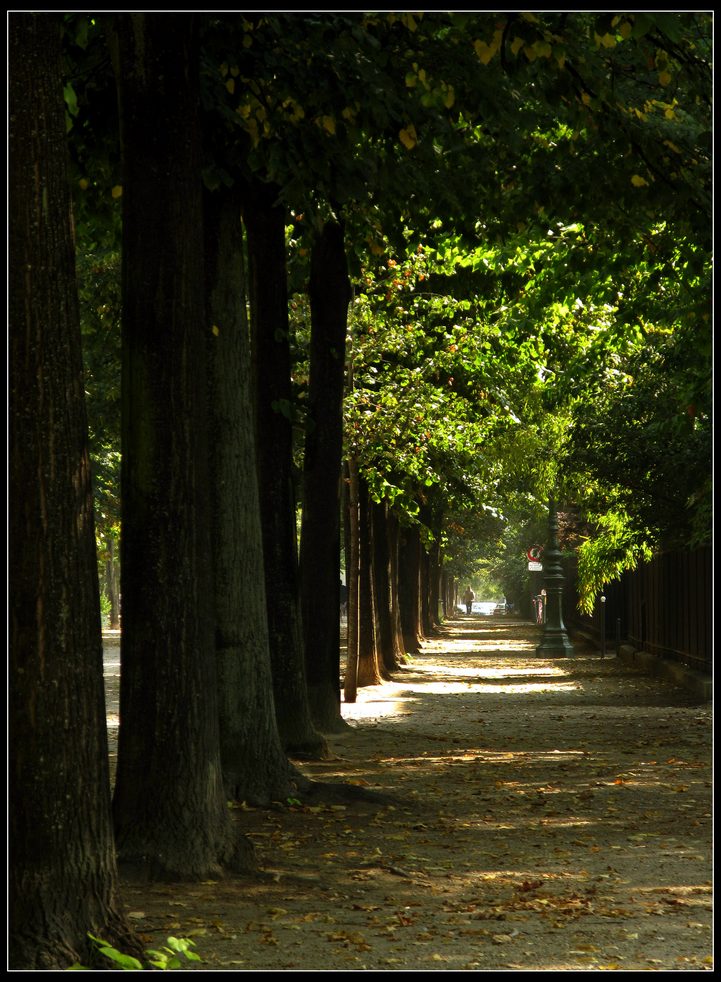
(99, 295)
(171, 955)
(526, 198)
(98, 275)
(125, 962)
(615, 548)
(567, 360)
(168, 957)
(92, 125)
(105, 604)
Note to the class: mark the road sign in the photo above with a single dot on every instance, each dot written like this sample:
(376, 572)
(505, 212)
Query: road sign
(535, 567)
(534, 553)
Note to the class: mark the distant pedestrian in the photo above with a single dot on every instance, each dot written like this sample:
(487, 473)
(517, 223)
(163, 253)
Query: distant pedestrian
(468, 598)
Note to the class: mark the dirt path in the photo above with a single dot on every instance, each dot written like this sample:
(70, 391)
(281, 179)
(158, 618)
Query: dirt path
(550, 815)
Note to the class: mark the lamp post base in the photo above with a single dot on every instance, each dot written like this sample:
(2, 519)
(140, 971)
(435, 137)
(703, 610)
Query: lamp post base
(555, 642)
(555, 645)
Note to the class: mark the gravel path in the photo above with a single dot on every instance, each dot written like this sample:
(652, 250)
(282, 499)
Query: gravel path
(550, 815)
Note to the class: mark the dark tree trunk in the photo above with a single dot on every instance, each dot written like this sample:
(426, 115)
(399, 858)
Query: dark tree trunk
(62, 873)
(255, 768)
(434, 585)
(431, 519)
(393, 527)
(369, 672)
(446, 593)
(350, 684)
(409, 583)
(425, 586)
(451, 596)
(388, 655)
(320, 529)
(265, 224)
(170, 807)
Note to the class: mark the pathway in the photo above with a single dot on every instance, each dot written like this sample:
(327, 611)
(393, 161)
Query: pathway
(551, 815)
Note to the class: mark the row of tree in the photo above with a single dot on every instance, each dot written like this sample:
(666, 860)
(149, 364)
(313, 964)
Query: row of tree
(445, 249)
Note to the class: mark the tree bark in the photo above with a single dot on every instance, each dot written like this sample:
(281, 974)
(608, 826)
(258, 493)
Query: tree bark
(425, 589)
(434, 585)
(432, 516)
(409, 574)
(320, 530)
(388, 655)
(255, 767)
(111, 580)
(170, 808)
(369, 671)
(446, 593)
(62, 872)
(393, 528)
(350, 683)
(265, 224)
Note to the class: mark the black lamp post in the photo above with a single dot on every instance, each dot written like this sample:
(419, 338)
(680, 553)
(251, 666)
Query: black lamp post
(555, 642)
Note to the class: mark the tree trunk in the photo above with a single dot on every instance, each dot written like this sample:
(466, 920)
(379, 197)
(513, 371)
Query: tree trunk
(433, 519)
(369, 672)
(255, 768)
(425, 587)
(62, 873)
(265, 224)
(350, 686)
(388, 656)
(320, 529)
(434, 585)
(170, 808)
(111, 585)
(393, 527)
(446, 593)
(409, 577)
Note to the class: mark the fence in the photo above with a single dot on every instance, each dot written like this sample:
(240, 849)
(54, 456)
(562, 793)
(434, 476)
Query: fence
(663, 607)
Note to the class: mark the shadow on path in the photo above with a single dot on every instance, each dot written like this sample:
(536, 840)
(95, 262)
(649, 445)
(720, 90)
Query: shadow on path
(549, 815)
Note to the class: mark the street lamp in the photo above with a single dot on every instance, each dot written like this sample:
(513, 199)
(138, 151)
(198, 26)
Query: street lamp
(555, 642)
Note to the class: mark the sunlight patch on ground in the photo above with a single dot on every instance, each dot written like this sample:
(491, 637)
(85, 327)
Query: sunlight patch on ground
(526, 758)
(515, 875)
(512, 688)
(522, 757)
(469, 646)
(387, 699)
(692, 894)
(503, 671)
(378, 708)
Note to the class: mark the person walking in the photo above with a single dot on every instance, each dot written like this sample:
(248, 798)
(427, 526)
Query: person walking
(468, 598)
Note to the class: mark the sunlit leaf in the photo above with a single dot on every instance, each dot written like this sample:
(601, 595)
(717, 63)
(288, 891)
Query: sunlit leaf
(408, 136)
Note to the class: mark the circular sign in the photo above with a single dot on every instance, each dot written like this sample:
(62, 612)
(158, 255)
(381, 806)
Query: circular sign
(535, 553)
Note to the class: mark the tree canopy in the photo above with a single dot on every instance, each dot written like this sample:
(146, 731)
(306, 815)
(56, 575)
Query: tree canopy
(466, 255)
(526, 199)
